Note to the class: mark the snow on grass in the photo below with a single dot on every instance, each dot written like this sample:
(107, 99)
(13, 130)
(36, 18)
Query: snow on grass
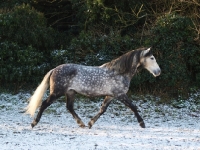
(166, 127)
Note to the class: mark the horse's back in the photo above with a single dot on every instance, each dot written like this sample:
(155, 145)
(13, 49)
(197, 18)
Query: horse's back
(86, 80)
(67, 75)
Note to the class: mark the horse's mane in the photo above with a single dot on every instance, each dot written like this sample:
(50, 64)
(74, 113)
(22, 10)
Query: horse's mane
(123, 64)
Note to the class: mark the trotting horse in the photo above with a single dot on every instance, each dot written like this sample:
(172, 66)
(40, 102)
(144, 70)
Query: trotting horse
(111, 80)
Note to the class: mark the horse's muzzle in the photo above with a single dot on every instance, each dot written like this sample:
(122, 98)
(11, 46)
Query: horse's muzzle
(156, 72)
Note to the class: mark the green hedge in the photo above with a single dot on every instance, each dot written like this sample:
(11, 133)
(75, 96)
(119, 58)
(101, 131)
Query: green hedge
(29, 48)
(20, 64)
(177, 53)
(26, 46)
(95, 49)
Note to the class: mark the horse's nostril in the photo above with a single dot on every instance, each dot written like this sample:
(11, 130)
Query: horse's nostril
(158, 72)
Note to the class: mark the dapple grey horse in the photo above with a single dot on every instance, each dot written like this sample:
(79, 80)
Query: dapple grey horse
(111, 80)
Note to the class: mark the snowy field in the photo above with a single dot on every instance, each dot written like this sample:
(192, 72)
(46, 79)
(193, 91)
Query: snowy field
(166, 127)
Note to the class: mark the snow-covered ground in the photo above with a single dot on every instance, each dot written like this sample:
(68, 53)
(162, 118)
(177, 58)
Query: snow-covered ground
(166, 127)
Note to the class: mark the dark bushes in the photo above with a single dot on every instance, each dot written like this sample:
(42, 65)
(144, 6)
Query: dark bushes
(26, 45)
(95, 31)
(178, 55)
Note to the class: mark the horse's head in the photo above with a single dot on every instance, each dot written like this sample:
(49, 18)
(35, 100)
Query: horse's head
(148, 61)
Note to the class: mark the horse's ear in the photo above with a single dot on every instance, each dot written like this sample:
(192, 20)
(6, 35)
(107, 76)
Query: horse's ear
(148, 49)
(147, 52)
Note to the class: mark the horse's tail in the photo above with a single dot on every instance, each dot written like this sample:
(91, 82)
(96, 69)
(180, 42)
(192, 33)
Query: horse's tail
(36, 98)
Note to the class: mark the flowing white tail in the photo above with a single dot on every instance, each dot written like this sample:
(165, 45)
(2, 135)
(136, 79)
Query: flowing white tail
(36, 98)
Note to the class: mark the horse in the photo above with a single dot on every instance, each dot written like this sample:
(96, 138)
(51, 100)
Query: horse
(111, 80)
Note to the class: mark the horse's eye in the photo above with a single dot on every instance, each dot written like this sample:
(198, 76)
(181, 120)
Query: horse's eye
(152, 58)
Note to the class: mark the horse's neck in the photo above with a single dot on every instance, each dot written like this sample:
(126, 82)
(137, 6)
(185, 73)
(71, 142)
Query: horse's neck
(134, 70)
(129, 74)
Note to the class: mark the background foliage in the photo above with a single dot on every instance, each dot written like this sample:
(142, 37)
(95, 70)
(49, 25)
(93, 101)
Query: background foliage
(37, 35)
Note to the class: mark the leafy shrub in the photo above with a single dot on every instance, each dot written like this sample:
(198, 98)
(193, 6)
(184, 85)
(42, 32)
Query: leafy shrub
(26, 45)
(26, 26)
(96, 49)
(178, 55)
(8, 5)
(124, 14)
(19, 64)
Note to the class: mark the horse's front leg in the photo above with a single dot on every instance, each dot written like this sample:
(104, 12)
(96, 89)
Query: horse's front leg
(103, 108)
(124, 99)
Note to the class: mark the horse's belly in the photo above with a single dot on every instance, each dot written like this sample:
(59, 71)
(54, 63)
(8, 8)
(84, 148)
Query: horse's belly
(92, 90)
(94, 93)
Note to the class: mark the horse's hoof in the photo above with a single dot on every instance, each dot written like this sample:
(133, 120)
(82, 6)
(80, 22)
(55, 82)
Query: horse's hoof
(80, 123)
(82, 126)
(33, 124)
(90, 125)
(142, 125)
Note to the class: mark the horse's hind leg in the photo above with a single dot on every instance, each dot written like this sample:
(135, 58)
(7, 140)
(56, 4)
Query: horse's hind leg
(44, 105)
(124, 99)
(103, 108)
(70, 106)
